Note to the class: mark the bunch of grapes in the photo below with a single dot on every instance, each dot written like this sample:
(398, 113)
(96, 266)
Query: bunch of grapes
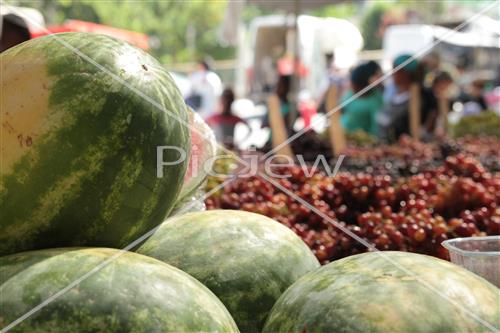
(409, 157)
(458, 198)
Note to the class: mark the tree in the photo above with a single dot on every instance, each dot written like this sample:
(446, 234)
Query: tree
(340, 10)
(370, 26)
(166, 21)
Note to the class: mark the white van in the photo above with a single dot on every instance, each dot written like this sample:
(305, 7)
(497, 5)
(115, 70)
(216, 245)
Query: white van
(270, 37)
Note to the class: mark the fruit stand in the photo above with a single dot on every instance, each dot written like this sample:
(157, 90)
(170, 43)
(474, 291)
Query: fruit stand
(409, 196)
(118, 214)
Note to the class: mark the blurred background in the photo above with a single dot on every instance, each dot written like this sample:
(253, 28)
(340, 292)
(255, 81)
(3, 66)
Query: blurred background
(246, 46)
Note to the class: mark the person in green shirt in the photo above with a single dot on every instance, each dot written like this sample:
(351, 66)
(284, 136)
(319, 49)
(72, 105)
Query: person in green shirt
(360, 112)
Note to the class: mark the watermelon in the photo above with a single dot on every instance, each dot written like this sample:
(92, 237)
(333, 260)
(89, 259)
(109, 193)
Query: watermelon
(371, 293)
(246, 259)
(203, 152)
(82, 117)
(133, 293)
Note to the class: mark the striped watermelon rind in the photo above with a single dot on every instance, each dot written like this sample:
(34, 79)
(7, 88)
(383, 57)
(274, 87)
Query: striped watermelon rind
(133, 293)
(79, 146)
(371, 293)
(246, 259)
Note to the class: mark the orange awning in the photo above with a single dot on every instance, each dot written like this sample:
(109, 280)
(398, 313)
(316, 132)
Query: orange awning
(135, 38)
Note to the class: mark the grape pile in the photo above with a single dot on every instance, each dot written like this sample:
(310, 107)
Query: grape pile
(404, 158)
(457, 198)
(485, 149)
(309, 144)
(409, 157)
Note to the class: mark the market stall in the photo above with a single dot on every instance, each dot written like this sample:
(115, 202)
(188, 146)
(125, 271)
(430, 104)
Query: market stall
(121, 213)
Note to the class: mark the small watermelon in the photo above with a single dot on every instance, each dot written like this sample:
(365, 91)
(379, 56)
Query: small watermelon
(372, 293)
(246, 259)
(83, 116)
(133, 293)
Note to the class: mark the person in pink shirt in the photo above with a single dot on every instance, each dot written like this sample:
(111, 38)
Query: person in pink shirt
(224, 122)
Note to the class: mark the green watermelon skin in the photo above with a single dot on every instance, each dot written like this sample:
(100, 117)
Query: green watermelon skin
(133, 293)
(367, 293)
(247, 260)
(79, 149)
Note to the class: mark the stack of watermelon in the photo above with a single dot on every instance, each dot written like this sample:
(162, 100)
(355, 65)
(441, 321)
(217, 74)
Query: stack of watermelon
(91, 127)
(98, 148)
(84, 118)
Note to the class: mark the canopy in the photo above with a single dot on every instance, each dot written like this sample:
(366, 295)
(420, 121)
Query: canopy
(291, 6)
(134, 38)
(228, 33)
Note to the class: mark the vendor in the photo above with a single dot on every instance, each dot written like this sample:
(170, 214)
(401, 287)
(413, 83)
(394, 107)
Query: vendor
(224, 121)
(282, 92)
(360, 112)
(393, 120)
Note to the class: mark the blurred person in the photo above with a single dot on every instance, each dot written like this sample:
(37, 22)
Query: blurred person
(224, 122)
(442, 81)
(375, 72)
(360, 113)
(473, 97)
(281, 95)
(462, 77)
(268, 66)
(307, 107)
(206, 88)
(14, 31)
(282, 91)
(393, 119)
(496, 82)
(431, 64)
(440, 89)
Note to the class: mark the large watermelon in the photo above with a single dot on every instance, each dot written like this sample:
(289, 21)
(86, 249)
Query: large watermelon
(82, 117)
(246, 259)
(133, 293)
(370, 293)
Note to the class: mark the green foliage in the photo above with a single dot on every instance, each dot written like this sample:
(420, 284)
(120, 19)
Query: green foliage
(370, 26)
(341, 10)
(482, 124)
(252, 11)
(360, 138)
(80, 10)
(166, 21)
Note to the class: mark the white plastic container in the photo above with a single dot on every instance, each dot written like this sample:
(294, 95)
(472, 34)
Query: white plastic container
(480, 255)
